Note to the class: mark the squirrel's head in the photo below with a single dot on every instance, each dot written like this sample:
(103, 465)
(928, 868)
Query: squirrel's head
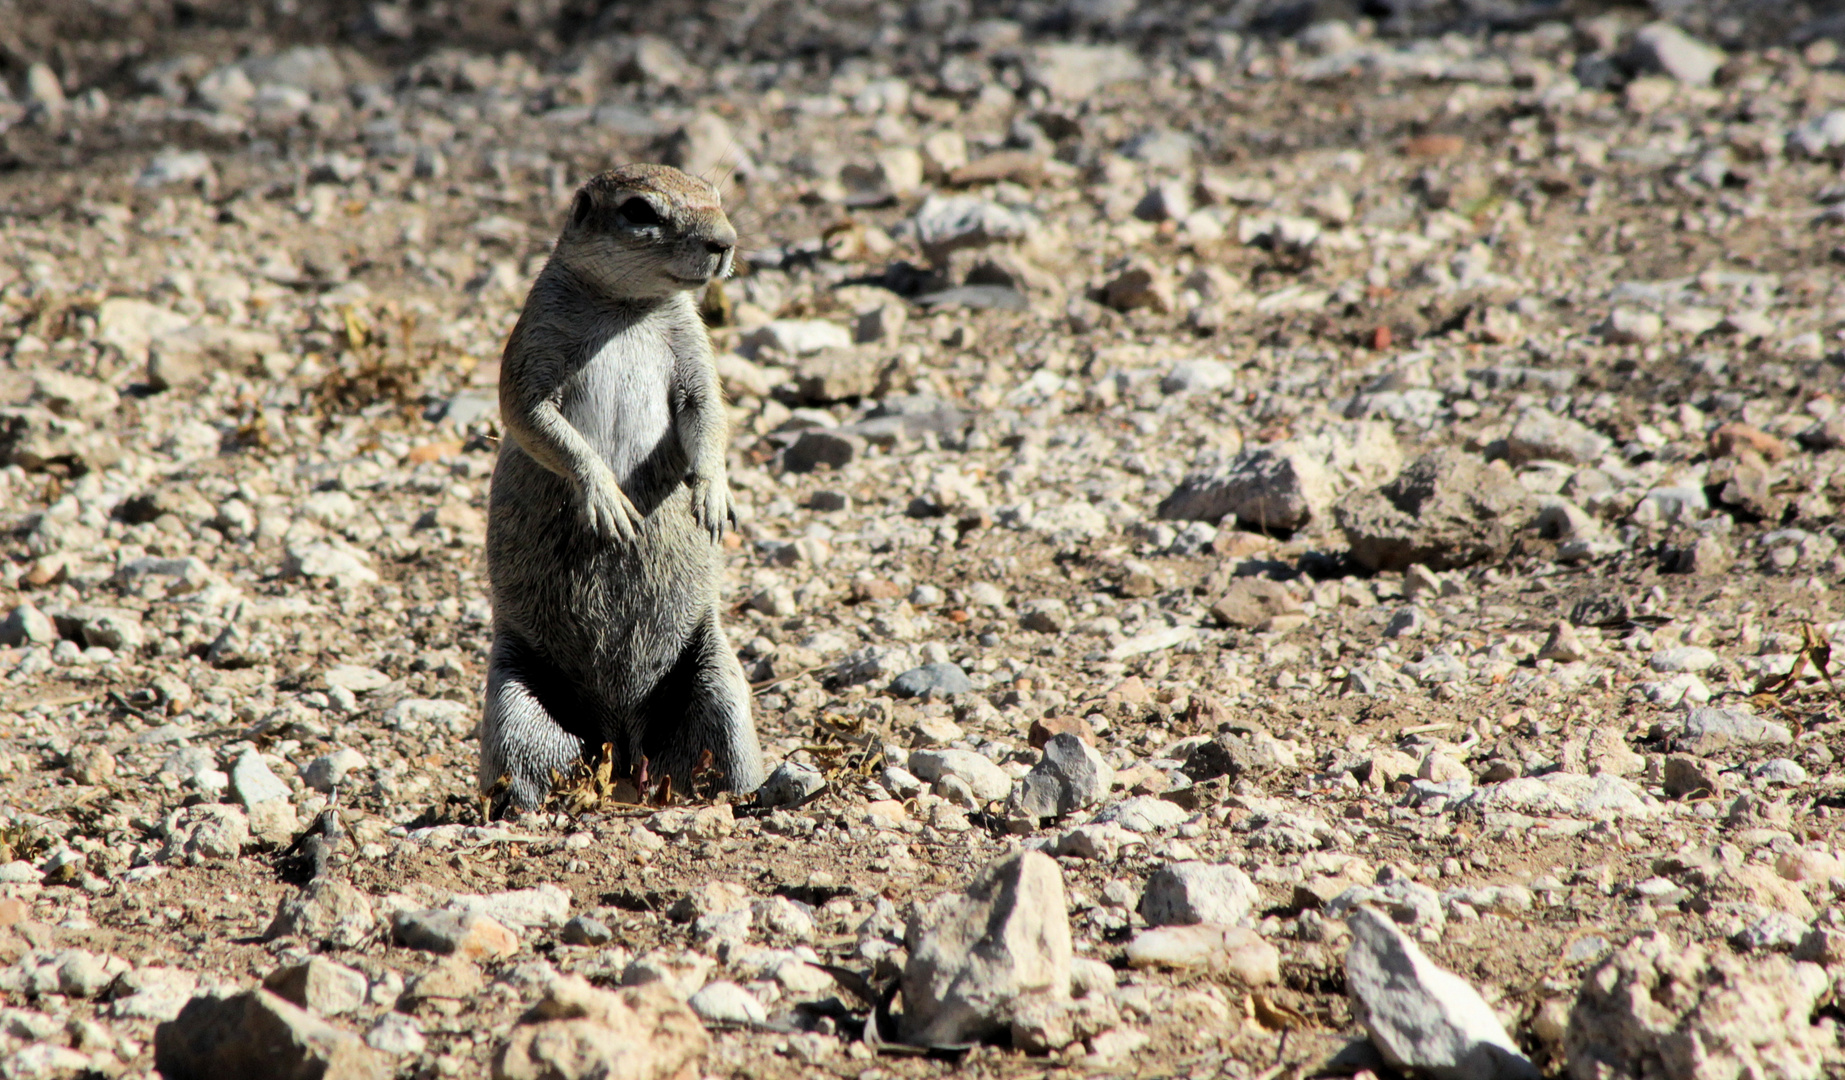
(647, 231)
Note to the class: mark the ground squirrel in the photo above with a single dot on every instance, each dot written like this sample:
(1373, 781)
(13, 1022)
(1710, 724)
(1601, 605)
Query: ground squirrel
(609, 501)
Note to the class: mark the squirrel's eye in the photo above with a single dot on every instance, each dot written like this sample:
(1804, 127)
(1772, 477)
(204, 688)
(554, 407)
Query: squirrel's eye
(638, 212)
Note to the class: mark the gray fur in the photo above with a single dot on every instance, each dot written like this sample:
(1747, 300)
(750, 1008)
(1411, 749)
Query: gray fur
(608, 504)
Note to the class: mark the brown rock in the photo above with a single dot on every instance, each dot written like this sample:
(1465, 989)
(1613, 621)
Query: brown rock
(834, 375)
(1132, 691)
(1446, 509)
(1727, 440)
(1314, 893)
(1137, 285)
(1434, 146)
(1704, 557)
(456, 978)
(1386, 767)
(1563, 646)
(710, 898)
(1685, 776)
(430, 452)
(1252, 602)
(1021, 166)
(1205, 713)
(1043, 731)
(1607, 752)
(1822, 945)
(90, 765)
(39, 440)
(319, 985)
(1750, 487)
(1235, 545)
(577, 1032)
(257, 1034)
(1143, 780)
(326, 909)
(454, 933)
(874, 589)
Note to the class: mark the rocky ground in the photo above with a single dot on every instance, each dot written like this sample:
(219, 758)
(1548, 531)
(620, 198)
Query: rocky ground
(1206, 477)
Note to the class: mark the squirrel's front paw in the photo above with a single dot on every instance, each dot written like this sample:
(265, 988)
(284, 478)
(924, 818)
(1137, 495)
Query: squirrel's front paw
(609, 512)
(711, 507)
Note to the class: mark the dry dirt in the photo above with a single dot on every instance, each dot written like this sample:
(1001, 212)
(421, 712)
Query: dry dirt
(355, 229)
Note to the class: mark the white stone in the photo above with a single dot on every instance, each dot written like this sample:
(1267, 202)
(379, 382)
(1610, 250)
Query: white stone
(1422, 1018)
(253, 782)
(988, 781)
(1144, 814)
(1662, 47)
(799, 337)
(724, 1002)
(1183, 893)
(1684, 658)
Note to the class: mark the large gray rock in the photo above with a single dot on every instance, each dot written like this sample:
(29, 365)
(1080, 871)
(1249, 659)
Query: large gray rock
(1661, 1008)
(1069, 776)
(1183, 893)
(1446, 509)
(981, 956)
(1280, 487)
(257, 1034)
(940, 679)
(1423, 1019)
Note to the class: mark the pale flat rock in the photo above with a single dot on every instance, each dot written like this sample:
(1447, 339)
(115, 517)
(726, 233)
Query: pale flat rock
(1563, 795)
(1143, 814)
(727, 1003)
(1233, 950)
(1422, 1018)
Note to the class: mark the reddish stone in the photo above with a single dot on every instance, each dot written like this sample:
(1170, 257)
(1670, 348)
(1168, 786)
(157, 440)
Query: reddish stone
(1731, 439)
(1043, 731)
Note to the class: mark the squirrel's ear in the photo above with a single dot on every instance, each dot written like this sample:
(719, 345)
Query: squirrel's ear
(580, 208)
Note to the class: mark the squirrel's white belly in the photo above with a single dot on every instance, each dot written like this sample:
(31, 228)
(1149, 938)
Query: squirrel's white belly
(633, 386)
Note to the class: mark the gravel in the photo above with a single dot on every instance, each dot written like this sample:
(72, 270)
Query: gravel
(1392, 459)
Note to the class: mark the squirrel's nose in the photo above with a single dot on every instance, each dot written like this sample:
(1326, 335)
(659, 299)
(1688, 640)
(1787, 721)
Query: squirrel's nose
(719, 247)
